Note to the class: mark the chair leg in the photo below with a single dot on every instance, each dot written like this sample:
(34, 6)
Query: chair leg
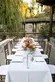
(42, 52)
(8, 61)
(53, 77)
(47, 61)
(1, 78)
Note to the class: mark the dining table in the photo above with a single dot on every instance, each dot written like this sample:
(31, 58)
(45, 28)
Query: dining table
(28, 66)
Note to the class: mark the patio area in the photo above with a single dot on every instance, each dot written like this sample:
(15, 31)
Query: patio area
(8, 48)
(27, 41)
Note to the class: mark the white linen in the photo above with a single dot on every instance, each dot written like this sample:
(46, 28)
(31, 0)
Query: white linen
(39, 59)
(24, 53)
(14, 49)
(38, 46)
(37, 72)
(20, 52)
(21, 70)
(17, 59)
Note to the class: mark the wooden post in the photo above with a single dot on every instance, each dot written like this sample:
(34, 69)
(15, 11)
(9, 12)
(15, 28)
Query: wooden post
(9, 48)
(33, 28)
(24, 30)
(51, 20)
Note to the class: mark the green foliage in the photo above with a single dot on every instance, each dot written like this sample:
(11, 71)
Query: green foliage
(44, 29)
(47, 11)
(40, 15)
(2, 11)
(10, 15)
(33, 2)
(53, 29)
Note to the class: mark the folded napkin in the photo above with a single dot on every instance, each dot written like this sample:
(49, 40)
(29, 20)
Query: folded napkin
(39, 59)
(14, 50)
(38, 49)
(17, 59)
(20, 53)
(17, 46)
(38, 46)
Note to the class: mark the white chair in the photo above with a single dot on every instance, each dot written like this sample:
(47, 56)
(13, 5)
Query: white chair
(8, 56)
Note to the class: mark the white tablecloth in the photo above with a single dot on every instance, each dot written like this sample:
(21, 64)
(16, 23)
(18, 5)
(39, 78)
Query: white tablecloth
(37, 70)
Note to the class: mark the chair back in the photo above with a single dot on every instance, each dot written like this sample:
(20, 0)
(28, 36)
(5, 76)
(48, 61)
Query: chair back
(11, 46)
(6, 50)
(52, 41)
(48, 50)
(43, 44)
(52, 56)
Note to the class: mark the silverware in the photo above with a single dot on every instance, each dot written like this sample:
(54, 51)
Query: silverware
(37, 56)
(17, 61)
(39, 61)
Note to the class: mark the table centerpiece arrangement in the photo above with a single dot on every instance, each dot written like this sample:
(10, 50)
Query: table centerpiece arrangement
(29, 45)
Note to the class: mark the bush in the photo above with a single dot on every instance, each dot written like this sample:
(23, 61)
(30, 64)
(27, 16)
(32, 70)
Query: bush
(44, 30)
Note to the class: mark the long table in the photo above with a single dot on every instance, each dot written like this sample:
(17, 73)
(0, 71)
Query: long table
(21, 70)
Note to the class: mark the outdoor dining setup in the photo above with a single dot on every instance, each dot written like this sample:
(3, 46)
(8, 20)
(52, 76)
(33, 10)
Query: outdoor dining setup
(27, 41)
(28, 63)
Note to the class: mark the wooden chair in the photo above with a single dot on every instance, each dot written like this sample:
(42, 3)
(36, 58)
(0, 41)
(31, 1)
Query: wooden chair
(47, 54)
(43, 44)
(11, 46)
(52, 56)
(8, 56)
(48, 50)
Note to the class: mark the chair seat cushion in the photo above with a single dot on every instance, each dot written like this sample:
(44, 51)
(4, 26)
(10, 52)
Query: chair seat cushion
(14, 50)
(9, 57)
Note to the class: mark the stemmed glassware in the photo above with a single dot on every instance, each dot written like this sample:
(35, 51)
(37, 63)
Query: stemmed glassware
(29, 57)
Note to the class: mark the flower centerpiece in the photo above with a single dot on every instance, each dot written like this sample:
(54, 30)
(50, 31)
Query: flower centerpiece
(28, 44)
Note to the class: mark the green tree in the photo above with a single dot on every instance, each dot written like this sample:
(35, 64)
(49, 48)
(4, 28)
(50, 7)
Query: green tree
(44, 30)
(47, 11)
(33, 2)
(32, 8)
(10, 15)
